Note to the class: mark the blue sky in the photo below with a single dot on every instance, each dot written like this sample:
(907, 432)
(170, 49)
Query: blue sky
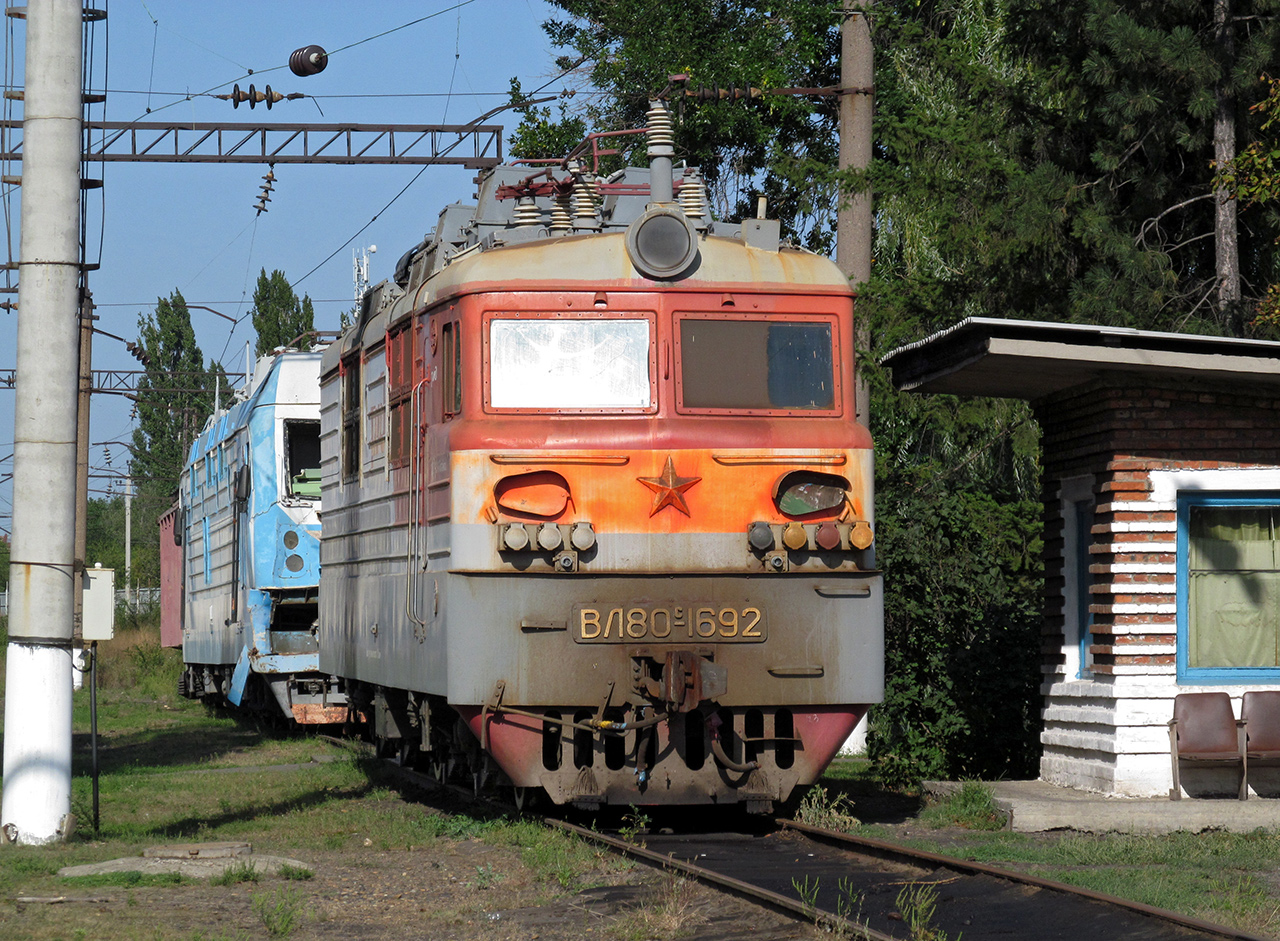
(193, 227)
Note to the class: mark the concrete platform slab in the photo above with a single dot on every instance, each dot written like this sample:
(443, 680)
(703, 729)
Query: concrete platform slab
(194, 860)
(1036, 806)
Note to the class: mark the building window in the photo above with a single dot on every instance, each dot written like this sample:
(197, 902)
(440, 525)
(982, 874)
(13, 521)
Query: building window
(1229, 587)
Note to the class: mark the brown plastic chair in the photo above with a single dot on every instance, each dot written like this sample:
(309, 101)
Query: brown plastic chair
(1260, 711)
(1204, 730)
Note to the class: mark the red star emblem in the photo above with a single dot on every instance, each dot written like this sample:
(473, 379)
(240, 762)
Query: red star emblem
(669, 488)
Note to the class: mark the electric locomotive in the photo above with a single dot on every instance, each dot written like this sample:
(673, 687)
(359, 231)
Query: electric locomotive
(246, 576)
(598, 517)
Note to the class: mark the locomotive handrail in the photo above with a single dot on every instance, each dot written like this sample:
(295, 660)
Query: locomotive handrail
(416, 493)
(612, 460)
(774, 457)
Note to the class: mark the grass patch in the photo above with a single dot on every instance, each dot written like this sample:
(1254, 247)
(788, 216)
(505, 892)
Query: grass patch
(237, 872)
(671, 911)
(972, 808)
(818, 809)
(295, 873)
(1216, 876)
(555, 856)
(280, 911)
(128, 879)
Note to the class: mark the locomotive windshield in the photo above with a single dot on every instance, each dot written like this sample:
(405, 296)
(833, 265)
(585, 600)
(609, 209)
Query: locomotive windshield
(570, 364)
(757, 365)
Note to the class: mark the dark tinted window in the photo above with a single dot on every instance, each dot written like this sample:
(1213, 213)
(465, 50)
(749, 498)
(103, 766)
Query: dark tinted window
(756, 364)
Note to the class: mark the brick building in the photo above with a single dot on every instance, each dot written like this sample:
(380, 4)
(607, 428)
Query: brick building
(1161, 459)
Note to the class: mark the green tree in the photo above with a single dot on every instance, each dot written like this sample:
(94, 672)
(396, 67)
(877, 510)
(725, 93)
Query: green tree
(1145, 96)
(1253, 177)
(780, 146)
(958, 522)
(104, 534)
(175, 397)
(538, 136)
(278, 316)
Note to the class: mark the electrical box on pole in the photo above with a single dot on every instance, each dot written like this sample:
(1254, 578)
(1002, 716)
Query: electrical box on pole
(99, 604)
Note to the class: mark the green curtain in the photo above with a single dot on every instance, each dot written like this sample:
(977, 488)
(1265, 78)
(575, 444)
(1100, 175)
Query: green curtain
(1233, 588)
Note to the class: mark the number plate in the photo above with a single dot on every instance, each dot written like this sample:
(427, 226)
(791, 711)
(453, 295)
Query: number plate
(663, 623)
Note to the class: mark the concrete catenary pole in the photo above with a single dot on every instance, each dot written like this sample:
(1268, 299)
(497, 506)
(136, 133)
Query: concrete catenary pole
(128, 536)
(853, 217)
(36, 803)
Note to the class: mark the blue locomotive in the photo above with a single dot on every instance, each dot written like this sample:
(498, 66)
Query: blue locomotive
(247, 531)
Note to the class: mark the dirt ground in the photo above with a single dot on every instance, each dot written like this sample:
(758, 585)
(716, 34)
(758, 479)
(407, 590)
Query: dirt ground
(449, 890)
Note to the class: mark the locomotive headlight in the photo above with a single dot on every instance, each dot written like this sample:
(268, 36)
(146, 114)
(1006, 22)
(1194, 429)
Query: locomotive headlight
(801, 493)
(662, 244)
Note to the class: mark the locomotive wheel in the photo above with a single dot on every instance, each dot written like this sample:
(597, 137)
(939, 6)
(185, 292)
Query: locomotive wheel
(407, 753)
(439, 769)
(525, 798)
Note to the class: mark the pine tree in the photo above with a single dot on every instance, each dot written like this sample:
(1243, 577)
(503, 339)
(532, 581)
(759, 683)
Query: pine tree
(1253, 178)
(1147, 95)
(278, 316)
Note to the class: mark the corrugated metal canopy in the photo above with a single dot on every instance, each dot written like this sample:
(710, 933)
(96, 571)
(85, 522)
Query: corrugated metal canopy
(1022, 359)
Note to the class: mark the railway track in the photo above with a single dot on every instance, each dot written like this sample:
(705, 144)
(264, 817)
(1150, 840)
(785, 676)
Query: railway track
(865, 888)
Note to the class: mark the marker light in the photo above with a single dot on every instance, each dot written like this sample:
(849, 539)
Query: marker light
(515, 537)
(582, 536)
(549, 536)
(760, 536)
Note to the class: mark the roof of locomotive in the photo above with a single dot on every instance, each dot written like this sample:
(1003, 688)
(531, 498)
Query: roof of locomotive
(502, 241)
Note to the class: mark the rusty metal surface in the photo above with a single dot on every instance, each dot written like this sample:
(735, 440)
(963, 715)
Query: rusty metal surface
(317, 714)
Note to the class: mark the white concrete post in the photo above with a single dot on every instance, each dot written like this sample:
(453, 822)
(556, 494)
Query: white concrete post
(36, 803)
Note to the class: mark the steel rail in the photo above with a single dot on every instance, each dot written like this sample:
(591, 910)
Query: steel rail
(737, 887)
(904, 854)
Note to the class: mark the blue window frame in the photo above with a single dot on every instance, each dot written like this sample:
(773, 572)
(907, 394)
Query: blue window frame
(1082, 522)
(1228, 587)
